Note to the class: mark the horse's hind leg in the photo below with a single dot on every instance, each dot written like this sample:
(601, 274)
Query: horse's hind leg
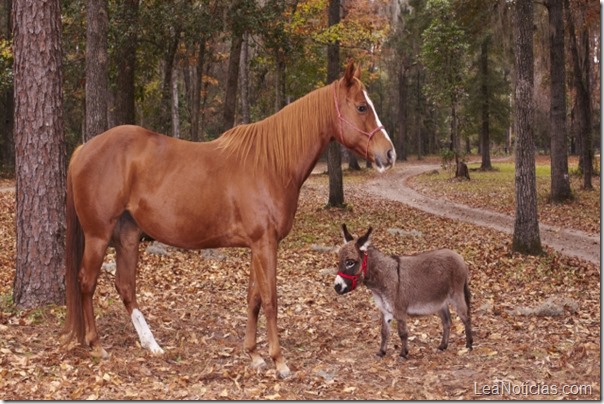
(126, 236)
(94, 251)
(445, 316)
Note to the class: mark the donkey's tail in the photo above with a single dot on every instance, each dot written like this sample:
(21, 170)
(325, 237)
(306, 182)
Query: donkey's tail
(467, 295)
(74, 322)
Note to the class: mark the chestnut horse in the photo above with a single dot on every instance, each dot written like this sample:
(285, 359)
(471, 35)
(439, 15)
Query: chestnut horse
(239, 190)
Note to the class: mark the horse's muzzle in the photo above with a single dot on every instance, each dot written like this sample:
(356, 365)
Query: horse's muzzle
(386, 161)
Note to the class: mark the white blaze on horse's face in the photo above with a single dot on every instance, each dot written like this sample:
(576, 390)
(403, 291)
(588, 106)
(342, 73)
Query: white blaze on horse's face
(392, 153)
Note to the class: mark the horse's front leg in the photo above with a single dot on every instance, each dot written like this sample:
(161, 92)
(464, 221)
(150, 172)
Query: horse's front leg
(264, 266)
(253, 308)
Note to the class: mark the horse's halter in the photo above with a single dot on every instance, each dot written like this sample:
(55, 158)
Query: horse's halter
(356, 276)
(352, 125)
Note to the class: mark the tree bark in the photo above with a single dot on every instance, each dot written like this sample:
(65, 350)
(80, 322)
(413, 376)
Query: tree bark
(560, 183)
(230, 97)
(244, 78)
(581, 84)
(174, 105)
(401, 139)
(166, 124)
(96, 68)
(526, 226)
(7, 144)
(124, 112)
(485, 141)
(334, 153)
(40, 154)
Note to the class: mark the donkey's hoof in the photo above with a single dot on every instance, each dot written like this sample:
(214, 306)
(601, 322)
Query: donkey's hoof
(380, 354)
(442, 348)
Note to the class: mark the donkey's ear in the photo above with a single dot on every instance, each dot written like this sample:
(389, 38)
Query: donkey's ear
(351, 73)
(364, 242)
(347, 236)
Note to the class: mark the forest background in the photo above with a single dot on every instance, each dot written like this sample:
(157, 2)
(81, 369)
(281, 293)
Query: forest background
(442, 75)
(192, 69)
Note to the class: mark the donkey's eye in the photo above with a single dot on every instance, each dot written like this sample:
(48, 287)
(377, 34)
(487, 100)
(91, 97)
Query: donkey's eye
(362, 108)
(350, 264)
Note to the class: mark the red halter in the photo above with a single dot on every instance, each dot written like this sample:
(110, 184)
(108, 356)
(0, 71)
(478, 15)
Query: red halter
(355, 277)
(352, 125)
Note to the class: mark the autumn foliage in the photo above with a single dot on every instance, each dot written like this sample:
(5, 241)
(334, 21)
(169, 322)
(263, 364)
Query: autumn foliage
(195, 304)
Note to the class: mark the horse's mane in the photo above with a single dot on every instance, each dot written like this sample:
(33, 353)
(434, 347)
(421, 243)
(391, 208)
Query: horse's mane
(280, 140)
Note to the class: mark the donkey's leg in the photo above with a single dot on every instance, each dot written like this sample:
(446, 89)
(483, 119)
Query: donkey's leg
(462, 307)
(253, 308)
(385, 331)
(92, 259)
(401, 325)
(264, 263)
(126, 238)
(445, 316)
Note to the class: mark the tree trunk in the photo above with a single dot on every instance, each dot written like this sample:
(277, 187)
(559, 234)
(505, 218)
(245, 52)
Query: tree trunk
(40, 154)
(193, 82)
(7, 144)
(166, 124)
(230, 97)
(401, 139)
(580, 76)
(560, 183)
(174, 105)
(96, 68)
(124, 56)
(334, 154)
(485, 142)
(280, 64)
(244, 78)
(353, 161)
(526, 227)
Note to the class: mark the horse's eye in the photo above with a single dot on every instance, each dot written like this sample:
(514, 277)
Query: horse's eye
(362, 108)
(349, 264)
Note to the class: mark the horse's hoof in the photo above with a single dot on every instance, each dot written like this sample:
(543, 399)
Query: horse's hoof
(99, 352)
(283, 371)
(257, 362)
(154, 348)
(380, 353)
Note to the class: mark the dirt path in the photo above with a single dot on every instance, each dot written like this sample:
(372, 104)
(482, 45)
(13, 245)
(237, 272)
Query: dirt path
(393, 185)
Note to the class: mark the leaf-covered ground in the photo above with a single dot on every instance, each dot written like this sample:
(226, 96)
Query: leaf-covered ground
(494, 190)
(195, 305)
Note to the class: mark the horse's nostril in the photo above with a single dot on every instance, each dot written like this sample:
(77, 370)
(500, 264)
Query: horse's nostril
(391, 155)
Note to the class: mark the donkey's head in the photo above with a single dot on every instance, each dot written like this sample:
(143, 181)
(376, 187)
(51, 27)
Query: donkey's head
(352, 264)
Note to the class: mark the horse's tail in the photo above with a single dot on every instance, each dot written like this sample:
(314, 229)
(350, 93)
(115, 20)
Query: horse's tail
(74, 250)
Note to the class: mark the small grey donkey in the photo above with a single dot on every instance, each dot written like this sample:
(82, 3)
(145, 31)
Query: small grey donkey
(417, 285)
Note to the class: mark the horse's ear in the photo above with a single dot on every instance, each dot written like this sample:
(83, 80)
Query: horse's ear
(364, 242)
(347, 236)
(351, 73)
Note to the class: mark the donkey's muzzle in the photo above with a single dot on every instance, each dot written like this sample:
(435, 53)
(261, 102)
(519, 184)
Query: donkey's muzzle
(341, 285)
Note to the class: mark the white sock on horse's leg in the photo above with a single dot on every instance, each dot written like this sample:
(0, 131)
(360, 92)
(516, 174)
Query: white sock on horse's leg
(144, 333)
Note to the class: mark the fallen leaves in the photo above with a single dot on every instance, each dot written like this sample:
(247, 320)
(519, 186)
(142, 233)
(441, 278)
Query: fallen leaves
(195, 304)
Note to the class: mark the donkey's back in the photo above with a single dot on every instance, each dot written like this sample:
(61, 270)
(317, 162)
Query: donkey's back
(431, 280)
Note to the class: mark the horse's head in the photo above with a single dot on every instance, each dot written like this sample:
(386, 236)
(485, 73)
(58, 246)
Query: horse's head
(358, 126)
(352, 265)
